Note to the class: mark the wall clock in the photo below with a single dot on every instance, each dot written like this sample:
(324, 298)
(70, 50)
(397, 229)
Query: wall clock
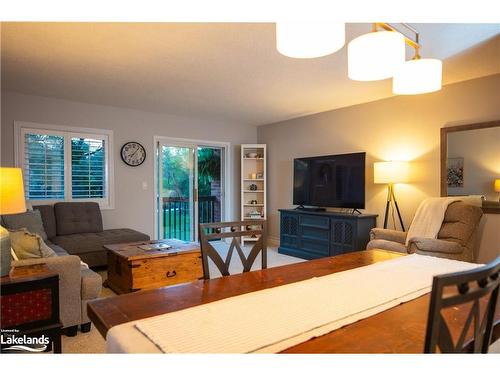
(133, 154)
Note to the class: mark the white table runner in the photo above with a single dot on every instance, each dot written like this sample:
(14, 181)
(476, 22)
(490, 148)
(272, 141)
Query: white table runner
(275, 319)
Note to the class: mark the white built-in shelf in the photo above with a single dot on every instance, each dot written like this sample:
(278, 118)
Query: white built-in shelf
(252, 166)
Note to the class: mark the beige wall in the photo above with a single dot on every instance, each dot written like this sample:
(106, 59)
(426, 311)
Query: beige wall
(134, 206)
(401, 127)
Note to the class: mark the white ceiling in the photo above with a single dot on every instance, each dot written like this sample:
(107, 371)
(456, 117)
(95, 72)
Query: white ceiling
(227, 71)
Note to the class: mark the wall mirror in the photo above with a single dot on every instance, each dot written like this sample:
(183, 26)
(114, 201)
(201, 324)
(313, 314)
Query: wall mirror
(470, 162)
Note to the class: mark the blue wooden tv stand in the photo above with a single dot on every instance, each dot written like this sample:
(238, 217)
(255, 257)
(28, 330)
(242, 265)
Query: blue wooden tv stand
(311, 235)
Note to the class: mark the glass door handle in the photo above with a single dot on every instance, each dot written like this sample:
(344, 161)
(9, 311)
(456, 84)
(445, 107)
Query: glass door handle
(195, 194)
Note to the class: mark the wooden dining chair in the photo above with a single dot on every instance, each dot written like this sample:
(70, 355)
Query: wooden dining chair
(477, 287)
(234, 230)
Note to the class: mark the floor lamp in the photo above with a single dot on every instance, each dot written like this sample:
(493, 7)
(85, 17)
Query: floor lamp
(390, 173)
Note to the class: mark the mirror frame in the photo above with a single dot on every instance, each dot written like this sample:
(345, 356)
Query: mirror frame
(444, 155)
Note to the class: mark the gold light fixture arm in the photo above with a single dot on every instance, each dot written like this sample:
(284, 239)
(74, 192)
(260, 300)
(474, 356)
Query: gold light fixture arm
(415, 44)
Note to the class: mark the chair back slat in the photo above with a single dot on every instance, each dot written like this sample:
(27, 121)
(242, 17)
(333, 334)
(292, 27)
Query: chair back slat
(475, 287)
(233, 230)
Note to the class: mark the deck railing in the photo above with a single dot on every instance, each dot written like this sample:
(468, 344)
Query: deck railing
(177, 215)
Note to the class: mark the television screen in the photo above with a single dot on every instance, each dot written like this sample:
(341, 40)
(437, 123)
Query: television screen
(330, 181)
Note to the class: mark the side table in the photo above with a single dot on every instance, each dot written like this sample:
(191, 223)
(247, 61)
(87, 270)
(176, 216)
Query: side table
(29, 301)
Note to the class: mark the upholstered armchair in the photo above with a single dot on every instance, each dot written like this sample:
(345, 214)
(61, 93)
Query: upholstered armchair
(456, 238)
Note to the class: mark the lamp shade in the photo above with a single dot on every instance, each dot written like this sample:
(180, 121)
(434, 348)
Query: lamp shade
(12, 199)
(390, 172)
(308, 39)
(375, 55)
(418, 77)
(497, 185)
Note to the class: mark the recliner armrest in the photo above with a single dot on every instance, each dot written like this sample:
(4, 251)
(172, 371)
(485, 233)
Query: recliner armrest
(434, 245)
(388, 235)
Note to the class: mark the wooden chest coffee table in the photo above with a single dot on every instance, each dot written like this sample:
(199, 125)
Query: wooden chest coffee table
(131, 268)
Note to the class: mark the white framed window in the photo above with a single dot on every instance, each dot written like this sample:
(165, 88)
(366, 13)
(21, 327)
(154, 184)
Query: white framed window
(65, 163)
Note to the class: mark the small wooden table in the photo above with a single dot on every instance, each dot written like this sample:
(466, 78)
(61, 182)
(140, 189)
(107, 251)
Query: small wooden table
(400, 329)
(34, 291)
(131, 268)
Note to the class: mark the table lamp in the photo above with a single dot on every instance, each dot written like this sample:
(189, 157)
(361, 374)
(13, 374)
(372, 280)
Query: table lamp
(12, 201)
(390, 173)
(497, 186)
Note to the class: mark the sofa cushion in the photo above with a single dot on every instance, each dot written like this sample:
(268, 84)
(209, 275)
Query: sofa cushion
(460, 222)
(57, 249)
(90, 242)
(46, 250)
(48, 219)
(31, 220)
(77, 217)
(91, 284)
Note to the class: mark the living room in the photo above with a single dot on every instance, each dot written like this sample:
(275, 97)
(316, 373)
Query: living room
(139, 123)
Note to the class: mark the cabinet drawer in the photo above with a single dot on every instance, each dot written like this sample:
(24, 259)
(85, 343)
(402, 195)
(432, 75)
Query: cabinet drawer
(158, 272)
(313, 233)
(316, 248)
(315, 221)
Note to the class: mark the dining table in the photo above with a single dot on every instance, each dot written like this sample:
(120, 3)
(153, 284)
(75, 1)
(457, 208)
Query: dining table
(400, 329)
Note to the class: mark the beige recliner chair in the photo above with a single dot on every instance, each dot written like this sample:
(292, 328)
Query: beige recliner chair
(456, 238)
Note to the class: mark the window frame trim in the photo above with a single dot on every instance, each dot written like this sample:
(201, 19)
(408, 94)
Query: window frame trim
(68, 132)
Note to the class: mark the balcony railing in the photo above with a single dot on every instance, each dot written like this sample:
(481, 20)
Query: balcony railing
(177, 215)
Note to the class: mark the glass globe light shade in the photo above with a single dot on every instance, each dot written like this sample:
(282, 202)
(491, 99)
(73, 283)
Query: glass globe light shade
(418, 77)
(309, 39)
(375, 56)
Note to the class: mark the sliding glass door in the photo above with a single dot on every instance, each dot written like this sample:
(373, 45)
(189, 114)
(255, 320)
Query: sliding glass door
(190, 189)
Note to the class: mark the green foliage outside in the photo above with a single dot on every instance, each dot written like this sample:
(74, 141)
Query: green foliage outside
(176, 168)
(87, 168)
(45, 167)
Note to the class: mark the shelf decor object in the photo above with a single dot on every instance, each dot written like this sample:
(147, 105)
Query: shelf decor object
(390, 173)
(253, 184)
(12, 201)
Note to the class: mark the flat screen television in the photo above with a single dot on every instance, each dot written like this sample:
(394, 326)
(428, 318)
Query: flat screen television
(330, 181)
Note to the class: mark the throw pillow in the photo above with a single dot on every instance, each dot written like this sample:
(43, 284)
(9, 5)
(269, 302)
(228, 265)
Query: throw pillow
(31, 220)
(46, 251)
(25, 244)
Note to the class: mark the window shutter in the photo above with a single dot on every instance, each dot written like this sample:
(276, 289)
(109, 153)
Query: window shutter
(88, 168)
(44, 166)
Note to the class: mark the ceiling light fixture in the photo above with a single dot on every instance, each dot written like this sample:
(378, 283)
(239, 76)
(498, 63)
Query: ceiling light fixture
(417, 76)
(376, 55)
(381, 54)
(309, 39)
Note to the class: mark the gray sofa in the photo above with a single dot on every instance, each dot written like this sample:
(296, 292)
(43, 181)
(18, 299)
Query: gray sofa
(456, 238)
(77, 228)
(73, 231)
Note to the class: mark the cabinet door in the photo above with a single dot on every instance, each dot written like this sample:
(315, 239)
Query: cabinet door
(343, 236)
(289, 229)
